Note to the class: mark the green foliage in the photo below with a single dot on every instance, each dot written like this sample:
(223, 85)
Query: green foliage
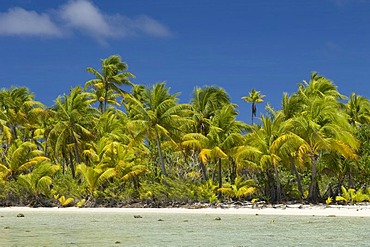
(64, 202)
(241, 189)
(38, 181)
(207, 191)
(95, 177)
(80, 203)
(117, 155)
(352, 196)
(329, 200)
(13, 193)
(168, 190)
(64, 184)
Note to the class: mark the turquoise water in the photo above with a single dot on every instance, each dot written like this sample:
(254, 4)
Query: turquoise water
(122, 229)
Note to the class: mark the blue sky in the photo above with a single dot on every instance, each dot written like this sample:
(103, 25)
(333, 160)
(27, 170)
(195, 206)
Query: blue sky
(238, 45)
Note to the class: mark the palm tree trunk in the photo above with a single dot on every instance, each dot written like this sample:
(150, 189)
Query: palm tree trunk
(314, 190)
(252, 112)
(350, 182)
(64, 162)
(204, 171)
(270, 192)
(75, 148)
(101, 106)
(277, 181)
(297, 176)
(219, 174)
(163, 168)
(233, 171)
(202, 166)
(71, 164)
(105, 96)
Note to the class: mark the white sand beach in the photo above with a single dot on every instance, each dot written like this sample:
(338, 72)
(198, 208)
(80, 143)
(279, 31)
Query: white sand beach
(296, 209)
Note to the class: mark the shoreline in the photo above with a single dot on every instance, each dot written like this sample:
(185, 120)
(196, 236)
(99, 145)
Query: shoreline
(286, 210)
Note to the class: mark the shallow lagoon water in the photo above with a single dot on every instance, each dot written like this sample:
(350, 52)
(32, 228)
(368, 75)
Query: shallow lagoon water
(160, 229)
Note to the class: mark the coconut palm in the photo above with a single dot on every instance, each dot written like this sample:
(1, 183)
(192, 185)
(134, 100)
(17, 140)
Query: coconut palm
(19, 113)
(113, 74)
(73, 127)
(321, 127)
(39, 180)
(254, 97)
(156, 117)
(258, 152)
(285, 144)
(20, 158)
(206, 102)
(223, 138)
(314, 125)
(230, 136)
(97, 94)
(241, 188)
(358, 110)
(95, 177)
(320, 87)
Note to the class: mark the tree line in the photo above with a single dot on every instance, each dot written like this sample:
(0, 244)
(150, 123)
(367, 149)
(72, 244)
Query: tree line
(113, 142)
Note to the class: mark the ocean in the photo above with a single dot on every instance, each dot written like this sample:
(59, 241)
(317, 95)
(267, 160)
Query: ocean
(86, 228)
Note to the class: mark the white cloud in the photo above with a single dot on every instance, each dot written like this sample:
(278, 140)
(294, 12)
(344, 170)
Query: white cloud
(150, 26)
(84, 16)
(79, 16)
(18, 21)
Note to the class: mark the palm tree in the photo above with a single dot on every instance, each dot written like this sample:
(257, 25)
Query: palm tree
(229, 135)
(322, 127)
(358, 110)
(125, 160)
(113, 74)
(254, 97)
(73, 126)
(19, 159)
(258, 151)
(205, 103)
(39, 180)
(97, 94)
(221, 141)
(95, 177)
(19, 113)
(314, 125)
(156, 117)
(285, 144)
(318, 86)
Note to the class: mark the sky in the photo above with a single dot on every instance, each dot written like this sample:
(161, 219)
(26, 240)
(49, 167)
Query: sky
(237, 45)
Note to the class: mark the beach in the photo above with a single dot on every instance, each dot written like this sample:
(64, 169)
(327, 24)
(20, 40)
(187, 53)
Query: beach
(291, 210)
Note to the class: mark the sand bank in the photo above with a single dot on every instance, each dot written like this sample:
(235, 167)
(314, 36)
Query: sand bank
(310, 210)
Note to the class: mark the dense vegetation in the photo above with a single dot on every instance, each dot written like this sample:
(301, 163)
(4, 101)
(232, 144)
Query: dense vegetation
(103, 145)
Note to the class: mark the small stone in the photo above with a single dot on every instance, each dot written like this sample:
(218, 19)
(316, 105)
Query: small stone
(117, 242)
(217, 218)
(20, 215)
(6, 227)
(138, 216)
(160, 220)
